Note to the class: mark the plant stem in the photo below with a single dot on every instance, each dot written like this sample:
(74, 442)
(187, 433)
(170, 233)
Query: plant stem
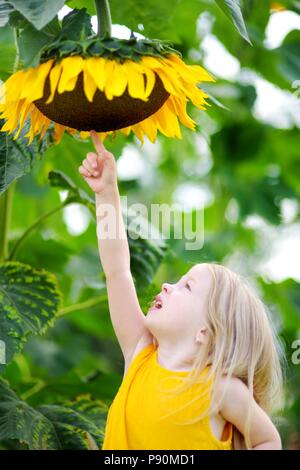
(35, 389)
(104, 18)
(32, 227)
(7, 197)
(82, 305)
(5, 216)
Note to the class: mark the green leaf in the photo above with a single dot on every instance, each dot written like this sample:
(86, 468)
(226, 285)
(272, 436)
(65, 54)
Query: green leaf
(71, 425)
(29, 300)
(156, 17)
(88, 4)
(289, 56)
(30, 43)
(37, 12)
(61, 180)
(17, 157)
(233, 11)
(77, 25)
(8, 52)
(5, 10)
(286, 297)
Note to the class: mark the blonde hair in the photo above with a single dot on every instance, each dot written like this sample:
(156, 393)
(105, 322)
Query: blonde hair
(241, 343)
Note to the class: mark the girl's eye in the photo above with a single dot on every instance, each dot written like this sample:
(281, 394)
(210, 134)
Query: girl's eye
(188, 286)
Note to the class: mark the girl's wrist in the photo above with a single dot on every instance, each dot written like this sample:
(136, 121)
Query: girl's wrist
(108, 194)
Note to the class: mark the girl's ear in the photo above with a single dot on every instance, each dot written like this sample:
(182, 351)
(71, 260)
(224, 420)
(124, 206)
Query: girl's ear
(202, 335)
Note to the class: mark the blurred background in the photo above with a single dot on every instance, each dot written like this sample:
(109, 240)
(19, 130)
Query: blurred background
(241, 169)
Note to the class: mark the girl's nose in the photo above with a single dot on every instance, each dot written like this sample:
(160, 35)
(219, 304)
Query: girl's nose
(166, 287)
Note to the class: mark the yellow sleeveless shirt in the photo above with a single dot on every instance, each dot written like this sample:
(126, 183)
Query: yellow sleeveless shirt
(135, 418)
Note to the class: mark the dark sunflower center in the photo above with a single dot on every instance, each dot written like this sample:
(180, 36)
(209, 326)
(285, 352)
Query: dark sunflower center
(73, 109)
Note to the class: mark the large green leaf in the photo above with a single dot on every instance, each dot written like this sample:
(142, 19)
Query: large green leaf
(29, 300)
(8, 52)
(233, 10)
(156, 17)
(289, 56)
(76, 25)
(286, 297)
(243, 173)
(30, 43)
(74, 425)
(5, 10)
(38, 12)
(17, 157)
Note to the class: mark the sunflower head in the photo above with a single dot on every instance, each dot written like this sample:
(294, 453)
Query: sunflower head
(106, 84)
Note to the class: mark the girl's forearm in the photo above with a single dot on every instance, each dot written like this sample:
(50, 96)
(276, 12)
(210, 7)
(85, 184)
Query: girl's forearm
(270, 445)
(111, 233)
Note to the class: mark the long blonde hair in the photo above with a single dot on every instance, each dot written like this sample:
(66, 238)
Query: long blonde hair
(241, 343)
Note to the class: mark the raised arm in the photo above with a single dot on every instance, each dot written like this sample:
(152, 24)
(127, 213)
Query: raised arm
(128, 320)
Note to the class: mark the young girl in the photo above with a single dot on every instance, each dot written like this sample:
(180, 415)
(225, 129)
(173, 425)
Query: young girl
(202, 368)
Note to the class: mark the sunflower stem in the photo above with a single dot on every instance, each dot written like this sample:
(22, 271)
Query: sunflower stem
(104, 18)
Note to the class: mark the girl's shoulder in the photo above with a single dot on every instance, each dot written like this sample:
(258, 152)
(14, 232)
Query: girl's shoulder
(145, 340)
(231, 390)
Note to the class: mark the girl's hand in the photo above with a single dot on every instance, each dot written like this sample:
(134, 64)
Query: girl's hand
(99, 169)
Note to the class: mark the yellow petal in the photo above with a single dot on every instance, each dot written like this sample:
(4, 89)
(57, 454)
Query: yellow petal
(191, 73)
(150, 81)
(54, 78)
(89, 85)
(14, 85)
(58, 132)
(196, 95)
(108, 73)
(171, 85)
(151, 62)
(179, 108)
(126, 131)
(84, 134)
(149, 126)
(168, 123)
(136, 85)
(35, 117)
(95, 66)
(28, 79)
(12, 122)
(30, 134)
(26, 109)
(119, 80)
(138, 132)
(40, 75)
(71, 68)
(45, 123)
(200, 74)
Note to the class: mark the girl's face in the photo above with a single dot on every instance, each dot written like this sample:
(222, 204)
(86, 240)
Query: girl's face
(181, 307)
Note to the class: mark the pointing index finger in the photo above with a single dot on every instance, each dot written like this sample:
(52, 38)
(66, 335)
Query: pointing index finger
(97, 142)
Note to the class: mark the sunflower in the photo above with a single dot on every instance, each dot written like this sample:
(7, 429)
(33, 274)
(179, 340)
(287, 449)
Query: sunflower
(106, 84)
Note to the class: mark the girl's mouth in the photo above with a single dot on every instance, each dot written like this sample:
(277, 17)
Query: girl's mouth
(156, 304)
